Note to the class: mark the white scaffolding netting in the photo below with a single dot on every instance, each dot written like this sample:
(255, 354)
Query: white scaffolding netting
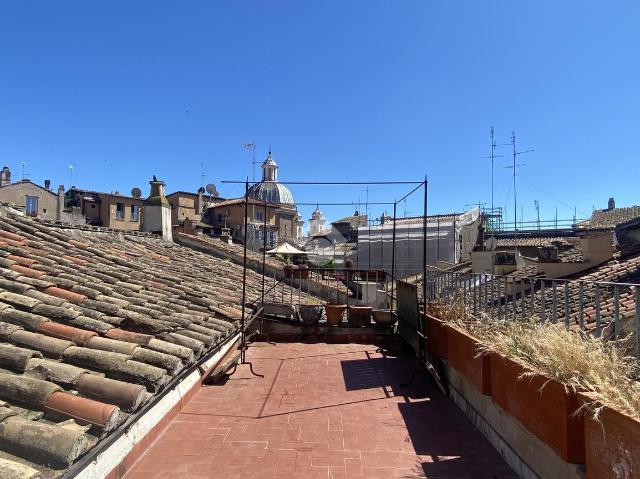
(445, 235)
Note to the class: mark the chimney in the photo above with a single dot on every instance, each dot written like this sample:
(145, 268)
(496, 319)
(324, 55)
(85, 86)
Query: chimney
(60, 205)
(5, 176)
(47, 184)
(612, 204)
(157, 211)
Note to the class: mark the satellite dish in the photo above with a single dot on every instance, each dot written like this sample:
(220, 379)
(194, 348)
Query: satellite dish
(211, 189)
(491, 244)
(136, 192)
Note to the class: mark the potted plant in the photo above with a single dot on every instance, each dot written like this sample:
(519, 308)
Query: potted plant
(384, 317)
(334, 312)
(359, 316)
(310, 311)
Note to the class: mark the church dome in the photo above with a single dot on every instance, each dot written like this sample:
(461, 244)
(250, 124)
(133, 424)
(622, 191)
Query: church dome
(269, 189)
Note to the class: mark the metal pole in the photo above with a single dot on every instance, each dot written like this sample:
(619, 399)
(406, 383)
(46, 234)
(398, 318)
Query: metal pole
(566, 304)
(244, 272)
(543, 302)
(264, 250)
(637, 291)
(581, 305)
(424, 248)
(393, 254)
(616, 312)
(597, 310)
(513, 297)
(554, 302)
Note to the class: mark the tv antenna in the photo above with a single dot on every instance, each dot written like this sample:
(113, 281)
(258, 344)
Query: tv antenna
(23, 164)
(493, 156)
(201, 174)
(536, 205)
(514, 166)
(70, 175)
(252, 148)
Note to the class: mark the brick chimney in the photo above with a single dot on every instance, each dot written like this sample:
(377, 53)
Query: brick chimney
(611, 204)
(156, 214)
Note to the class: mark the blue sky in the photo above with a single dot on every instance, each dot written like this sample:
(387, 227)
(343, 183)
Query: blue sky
(342, 90)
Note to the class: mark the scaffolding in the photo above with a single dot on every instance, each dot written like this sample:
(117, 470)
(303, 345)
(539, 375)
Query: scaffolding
(444, 236)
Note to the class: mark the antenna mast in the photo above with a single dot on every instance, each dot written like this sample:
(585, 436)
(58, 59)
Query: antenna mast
(493, 156)
(515, 196)
(252, 148)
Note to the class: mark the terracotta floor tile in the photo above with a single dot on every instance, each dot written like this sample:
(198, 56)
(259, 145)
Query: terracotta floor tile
(321, 411)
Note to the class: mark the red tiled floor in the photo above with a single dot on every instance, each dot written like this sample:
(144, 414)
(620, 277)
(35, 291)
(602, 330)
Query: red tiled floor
(327, 411)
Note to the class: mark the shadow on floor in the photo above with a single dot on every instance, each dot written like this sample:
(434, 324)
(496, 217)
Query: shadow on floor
(439, 432)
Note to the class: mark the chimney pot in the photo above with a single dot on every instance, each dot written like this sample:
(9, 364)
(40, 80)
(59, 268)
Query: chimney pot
(47, 184)
(612, 204)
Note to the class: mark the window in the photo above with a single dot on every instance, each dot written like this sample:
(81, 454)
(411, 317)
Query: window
(31, 206)
(135, 211)
(259, 216)
(119, 211)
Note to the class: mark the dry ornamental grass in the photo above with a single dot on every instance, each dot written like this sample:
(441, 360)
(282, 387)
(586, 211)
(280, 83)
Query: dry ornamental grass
(575, 359)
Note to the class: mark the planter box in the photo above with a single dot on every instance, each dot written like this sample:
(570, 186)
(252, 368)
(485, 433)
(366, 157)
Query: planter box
(546, 413)
(462, 351)
(279, 309)
(310, 313)
(436, 331)
(359, 316)
(334, 313)
(612, 446)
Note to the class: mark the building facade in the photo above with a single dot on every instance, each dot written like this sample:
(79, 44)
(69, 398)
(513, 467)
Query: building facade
(33, 199)
(110, 210)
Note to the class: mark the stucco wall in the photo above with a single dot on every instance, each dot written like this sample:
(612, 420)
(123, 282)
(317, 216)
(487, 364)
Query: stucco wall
(16, 193)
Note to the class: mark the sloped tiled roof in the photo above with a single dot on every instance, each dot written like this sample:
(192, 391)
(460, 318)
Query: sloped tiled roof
(617, 270)
(530, 241)
(233, 250)
(92, 325)
(613, 217)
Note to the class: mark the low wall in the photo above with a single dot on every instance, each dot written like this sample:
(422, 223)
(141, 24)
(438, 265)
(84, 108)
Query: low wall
(527, 455)
(283, 331)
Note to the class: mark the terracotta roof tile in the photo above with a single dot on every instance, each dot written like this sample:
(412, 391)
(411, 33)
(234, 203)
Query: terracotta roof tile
(102, 317)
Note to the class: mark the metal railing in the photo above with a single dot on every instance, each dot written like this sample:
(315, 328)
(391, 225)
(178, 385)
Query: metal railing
(335, 285)
(607, 310)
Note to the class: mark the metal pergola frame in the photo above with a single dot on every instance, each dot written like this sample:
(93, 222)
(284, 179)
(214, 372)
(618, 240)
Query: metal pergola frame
(417, 185)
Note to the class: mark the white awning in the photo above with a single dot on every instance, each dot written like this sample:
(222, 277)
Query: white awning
(286, 249)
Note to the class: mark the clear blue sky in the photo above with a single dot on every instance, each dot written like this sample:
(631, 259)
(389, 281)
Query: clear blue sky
(343, 90)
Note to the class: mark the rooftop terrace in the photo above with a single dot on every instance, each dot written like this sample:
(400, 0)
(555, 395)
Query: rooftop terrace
(321, 411)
